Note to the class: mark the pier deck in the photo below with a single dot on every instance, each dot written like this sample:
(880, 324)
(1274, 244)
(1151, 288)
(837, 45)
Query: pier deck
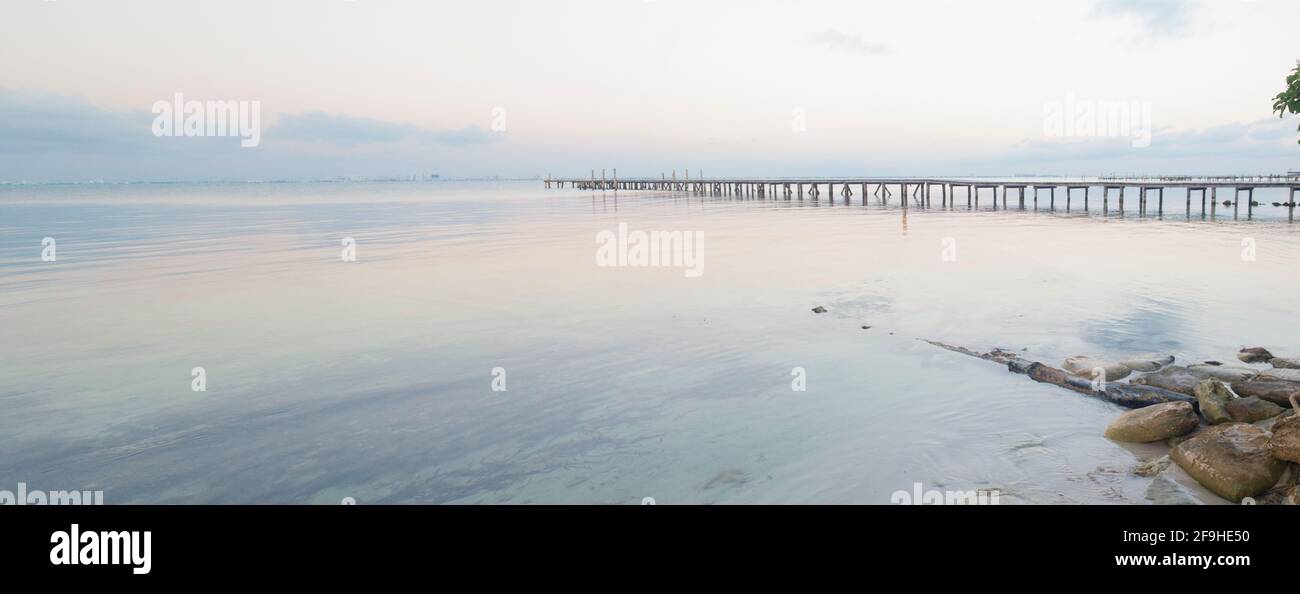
(922, 188)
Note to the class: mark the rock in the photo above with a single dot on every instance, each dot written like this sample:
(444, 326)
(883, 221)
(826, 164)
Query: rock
(1085, 366)
(1285, 443)
(1173, 442)
(1214, 397)
(1284, 374)
(1135, 396)
(1232, 460)
(1153, 423)
(1125, 395)
(1267, 424)
(1284, 363)
(1152, 467)
(1147, 363)
(1227, 373)
(1254, 355)
(1252, 409)
(1275, 391)
(1174, 378)
(819, 309)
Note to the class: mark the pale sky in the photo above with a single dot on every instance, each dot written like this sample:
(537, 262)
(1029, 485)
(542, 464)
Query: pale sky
(399, 87)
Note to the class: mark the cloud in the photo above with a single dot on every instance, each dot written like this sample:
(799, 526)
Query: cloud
(840, 42)
(1284, 129)
(1265, 139)
(50, 137)
(1160, 18)
(344, 130)
(35, 122)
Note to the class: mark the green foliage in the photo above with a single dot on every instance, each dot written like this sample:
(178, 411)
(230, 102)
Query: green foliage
(1289, 100)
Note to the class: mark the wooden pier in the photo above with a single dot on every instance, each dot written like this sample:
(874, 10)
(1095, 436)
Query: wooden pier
(919, 191)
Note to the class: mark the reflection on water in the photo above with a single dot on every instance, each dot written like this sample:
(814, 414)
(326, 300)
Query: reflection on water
(372, 379)
(1147, 323)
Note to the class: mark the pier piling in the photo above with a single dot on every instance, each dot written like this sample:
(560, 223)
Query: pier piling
(920, 191)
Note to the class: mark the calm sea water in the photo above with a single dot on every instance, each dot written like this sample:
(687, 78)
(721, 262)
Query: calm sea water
(373, 379)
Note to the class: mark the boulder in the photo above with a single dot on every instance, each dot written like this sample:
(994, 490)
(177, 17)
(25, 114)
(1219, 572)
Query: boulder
(1275, 391)
(1125, 395)
(1147, 363)
(1174, 378)
(1285, 443)
(1083, 366)
(819, 309)
(1227, 373)
(1284, 363)
(1232, 460)
(1254, 355)
(1267, 424)
(1252, 409)
(1173, 442)
(1214, 397)
(1153, 423)
(1135, 396)
(1283, 374)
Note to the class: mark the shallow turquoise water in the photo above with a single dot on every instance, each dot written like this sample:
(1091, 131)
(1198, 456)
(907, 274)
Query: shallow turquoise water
(373, 379)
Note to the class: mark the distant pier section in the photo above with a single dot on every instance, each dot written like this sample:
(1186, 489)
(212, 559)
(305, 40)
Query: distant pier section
(919, 191)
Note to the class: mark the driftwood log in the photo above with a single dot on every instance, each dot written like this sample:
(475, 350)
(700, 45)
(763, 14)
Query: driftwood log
(1126, 395)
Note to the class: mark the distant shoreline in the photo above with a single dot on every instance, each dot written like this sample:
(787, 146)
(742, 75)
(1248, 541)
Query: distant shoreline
(269, 181)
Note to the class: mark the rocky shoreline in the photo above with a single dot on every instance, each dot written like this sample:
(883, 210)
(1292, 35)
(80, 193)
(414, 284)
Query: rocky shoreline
(1235, 429)
(1237, 439)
